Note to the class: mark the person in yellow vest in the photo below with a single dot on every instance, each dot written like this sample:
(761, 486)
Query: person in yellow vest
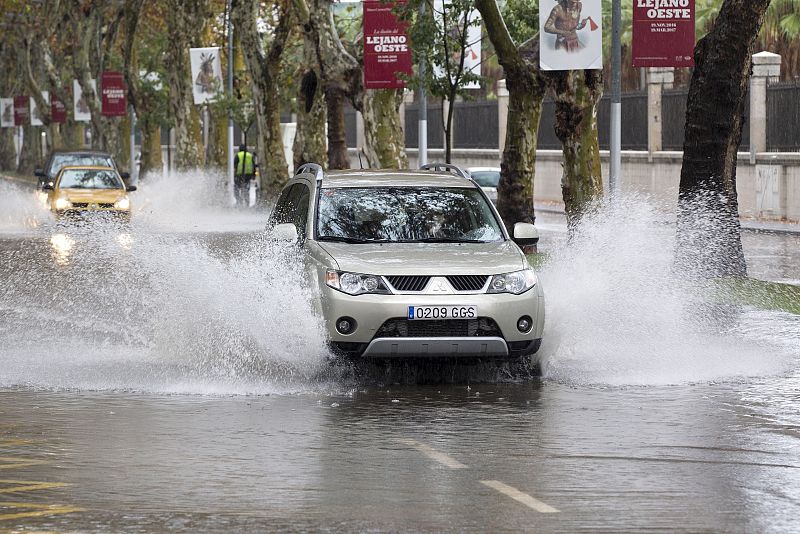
(244, 170)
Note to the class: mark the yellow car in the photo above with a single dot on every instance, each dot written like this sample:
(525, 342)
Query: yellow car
(81, 190)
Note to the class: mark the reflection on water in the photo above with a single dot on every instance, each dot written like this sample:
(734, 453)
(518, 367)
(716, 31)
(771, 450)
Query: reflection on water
(62, 245)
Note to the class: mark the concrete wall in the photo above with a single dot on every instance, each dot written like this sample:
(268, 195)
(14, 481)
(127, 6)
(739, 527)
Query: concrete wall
(768, 189)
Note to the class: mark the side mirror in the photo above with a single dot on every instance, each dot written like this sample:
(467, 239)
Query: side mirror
(525, 234)
(286, 232)
(130, 188)
(39, 173)
(125, 175)
(48, 186)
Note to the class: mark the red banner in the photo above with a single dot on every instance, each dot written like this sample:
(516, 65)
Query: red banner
(112, 90)
(21, 110)
(663, 33)
(387, 50)
(58, 110)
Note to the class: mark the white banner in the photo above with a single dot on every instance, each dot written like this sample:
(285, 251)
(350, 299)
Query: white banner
(6, 112)
(206, 74)
(570, 34)
(472, 51)
(81, 111)
(36, 118)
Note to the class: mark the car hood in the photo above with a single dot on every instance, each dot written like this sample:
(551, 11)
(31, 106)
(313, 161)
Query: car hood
(92, 195)
(427, 258)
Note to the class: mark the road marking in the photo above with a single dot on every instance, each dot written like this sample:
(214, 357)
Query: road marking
(433, 454)
(517, 495)
(35, 510)
(28, 485)
(10, 462)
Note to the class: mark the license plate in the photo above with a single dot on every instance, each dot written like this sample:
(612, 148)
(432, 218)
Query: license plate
(442, 312)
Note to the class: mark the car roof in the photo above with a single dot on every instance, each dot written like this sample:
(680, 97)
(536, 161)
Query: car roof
(483, 169)
(81, 152)
(392, 177)
(86, 168)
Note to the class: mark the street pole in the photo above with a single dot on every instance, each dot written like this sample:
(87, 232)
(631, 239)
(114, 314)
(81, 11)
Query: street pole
(616, 99)
(230, 95)
(423, 109)
(134, 175)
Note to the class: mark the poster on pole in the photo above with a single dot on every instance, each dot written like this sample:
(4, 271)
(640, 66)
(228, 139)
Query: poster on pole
(81, 111)
(570, 34)
(206, 74)
(387, 50)
(36, 117)
(6, 112)
(472, 50)
(21, 110)
(58, 110)
(663, 33)
(112, 94)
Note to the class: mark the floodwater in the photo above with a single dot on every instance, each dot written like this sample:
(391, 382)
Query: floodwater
(170, 375)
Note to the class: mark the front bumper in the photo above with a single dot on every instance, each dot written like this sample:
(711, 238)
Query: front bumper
(372, 312)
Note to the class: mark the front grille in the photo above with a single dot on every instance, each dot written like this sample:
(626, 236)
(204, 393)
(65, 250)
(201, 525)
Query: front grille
(467, 282)
(408, 283)
(106, 206)
(401, 327)
(80, 204)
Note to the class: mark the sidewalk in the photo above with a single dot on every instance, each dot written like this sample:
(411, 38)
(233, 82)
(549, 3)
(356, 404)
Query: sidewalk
(753, 225)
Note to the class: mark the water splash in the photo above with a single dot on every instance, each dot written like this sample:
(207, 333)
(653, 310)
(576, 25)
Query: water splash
(620, 314)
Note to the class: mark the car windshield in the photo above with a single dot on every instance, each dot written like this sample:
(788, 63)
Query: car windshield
(79, 160)
(406, 215)
(90, 179)
(486, 178)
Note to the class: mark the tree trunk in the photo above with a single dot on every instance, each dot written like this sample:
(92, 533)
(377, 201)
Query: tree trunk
(186, 19)
(337, 143)
(151, 158)
(216, 153)
(385, 140)
(576, 95)
(8, 155)
(526, 88)
(264, 69)
(709, 239)
(309, 141)
(30, 156)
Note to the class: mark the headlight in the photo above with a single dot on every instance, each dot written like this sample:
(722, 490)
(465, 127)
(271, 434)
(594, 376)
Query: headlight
(356, 284)
(63, 204)
(123, 204)
(517, 283)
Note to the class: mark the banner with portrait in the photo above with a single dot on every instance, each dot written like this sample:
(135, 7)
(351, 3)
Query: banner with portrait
(81, 111)
(36, 117)
(570, 34)
(206, 73)
(6, 112)
(472, 48)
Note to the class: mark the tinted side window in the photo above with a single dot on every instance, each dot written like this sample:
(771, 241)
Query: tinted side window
(283, 208)
(300, 214)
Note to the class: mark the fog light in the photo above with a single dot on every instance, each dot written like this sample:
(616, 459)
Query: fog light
(345, 325)
(524, 324)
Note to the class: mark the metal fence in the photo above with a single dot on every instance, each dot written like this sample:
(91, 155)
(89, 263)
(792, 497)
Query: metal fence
(475, 124)
(783, 116)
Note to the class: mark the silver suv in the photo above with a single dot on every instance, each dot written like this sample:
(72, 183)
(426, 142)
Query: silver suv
(412, 263)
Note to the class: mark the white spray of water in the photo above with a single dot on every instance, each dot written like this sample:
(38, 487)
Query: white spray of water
(139, 308)
(20, 208)
(619, 314)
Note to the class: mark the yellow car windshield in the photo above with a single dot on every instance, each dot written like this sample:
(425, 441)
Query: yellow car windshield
(90, 179)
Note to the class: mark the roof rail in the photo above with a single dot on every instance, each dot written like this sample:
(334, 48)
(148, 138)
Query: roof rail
(454, 169)
(311, 168)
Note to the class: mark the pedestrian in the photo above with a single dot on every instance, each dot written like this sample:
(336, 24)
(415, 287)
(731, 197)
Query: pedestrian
(244, 171)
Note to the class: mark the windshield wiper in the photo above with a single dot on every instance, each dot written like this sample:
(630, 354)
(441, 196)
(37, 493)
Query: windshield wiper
(443, 240)
(352, 240)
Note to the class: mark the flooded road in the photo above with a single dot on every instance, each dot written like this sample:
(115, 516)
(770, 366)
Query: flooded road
(171, 376)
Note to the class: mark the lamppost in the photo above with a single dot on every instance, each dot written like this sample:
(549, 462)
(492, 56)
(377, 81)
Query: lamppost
(230, 95)
(616, 99)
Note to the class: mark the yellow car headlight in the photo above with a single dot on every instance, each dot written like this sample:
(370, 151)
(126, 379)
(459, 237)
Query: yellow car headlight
(63, 204)
(123, 204)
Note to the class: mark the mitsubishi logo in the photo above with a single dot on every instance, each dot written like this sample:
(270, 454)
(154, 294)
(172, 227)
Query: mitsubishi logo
(439, 286)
